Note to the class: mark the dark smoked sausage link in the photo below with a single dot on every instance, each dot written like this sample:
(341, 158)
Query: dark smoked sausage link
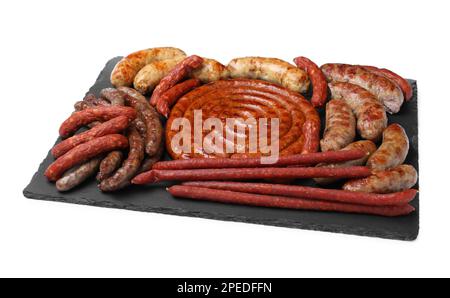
(115, 97)
(130, 166)
(299, 159)
(84, 117)
(318, 80)
(84, 152)
(333, 195)
(249, 174)
(115, 125)
(109, 164)
(178, 73)
(232, 197)
(148, 114)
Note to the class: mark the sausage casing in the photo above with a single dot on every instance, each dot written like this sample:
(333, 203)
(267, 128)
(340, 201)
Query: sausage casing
(130, 165)
(393, 149)
(84, 117)
(115, 125)
(84, 152)
(396, 179)
(382, 88)
(269, 69)
(210, 71)
(109, 164)
(150, 75)
(154, 128)
(318, 80)
(371, 119)
(78, 175)
(124, 72)
(340, 127)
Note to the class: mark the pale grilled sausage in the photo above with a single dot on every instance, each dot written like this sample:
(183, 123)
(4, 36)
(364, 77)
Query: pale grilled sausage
(371, 119)
(269, 69)
(124, 72)
(396, 179)
(150, 75)
(393, 149)
(210, 71)
(384, 90)
(340, 127)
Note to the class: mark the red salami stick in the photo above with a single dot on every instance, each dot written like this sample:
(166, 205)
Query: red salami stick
(180, 71)
(249, 173)
(170, 97)
(298, 159)
(332, 195)
(233, 197)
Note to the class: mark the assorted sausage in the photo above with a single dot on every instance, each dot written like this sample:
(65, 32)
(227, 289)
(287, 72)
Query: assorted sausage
(125, 140)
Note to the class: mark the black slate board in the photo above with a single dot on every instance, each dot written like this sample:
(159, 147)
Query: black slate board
(156, 199)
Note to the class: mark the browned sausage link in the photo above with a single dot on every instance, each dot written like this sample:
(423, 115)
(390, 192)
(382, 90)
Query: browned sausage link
(318, 80)
(114, 96)
(248, 174)
(299, 159)
(393, 149)
(81, 118)
(397, 79)
(84, 152)
(367, 146)
(396, 179)
(115, 125)
(109, 164)
(78, 175)
(154, 128)
(385, 91)
(179, 72)
(130, 166)
(334, 195)
(340, 127)
(148, 162)
(233, 197)
(370, 114)
(170, 97)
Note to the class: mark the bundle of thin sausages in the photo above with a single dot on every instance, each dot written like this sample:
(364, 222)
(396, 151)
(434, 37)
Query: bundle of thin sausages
(203, 173)
(119, 119)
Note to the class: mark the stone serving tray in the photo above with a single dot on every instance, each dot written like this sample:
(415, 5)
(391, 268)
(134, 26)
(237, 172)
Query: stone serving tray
(155, 198)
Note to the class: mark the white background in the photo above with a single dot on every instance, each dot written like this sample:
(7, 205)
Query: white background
(52, 52)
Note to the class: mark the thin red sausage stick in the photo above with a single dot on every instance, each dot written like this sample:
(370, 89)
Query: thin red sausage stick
(171, 96)
(84, 117)
(249, 173)
(298, 159)
(85, 152)
(115, 125)
(232, 197)
(178, 73)
(399, 80)
(319, 82)
(333, 195)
